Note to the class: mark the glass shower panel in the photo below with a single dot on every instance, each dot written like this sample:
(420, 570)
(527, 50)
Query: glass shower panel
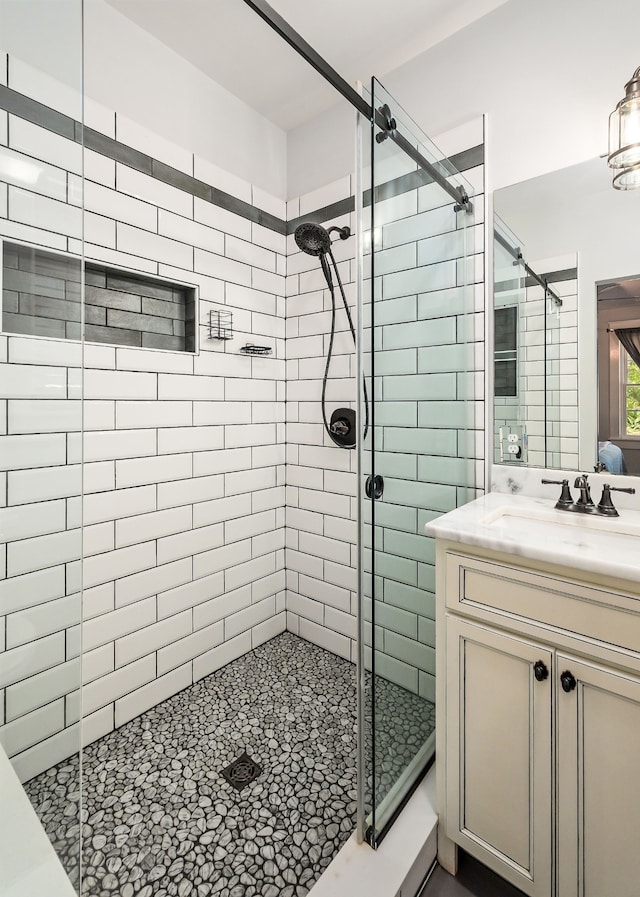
(418, 459)
(365, 506)
(41, 348)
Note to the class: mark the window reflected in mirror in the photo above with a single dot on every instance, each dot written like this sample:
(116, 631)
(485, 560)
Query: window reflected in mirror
(619, 376)
(631, 387)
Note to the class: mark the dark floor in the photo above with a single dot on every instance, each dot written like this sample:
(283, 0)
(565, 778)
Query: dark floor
(158, 818)
(473, 880)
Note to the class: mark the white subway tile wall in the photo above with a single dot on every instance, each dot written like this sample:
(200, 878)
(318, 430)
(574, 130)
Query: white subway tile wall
(213, 519)
(429, 423)
(184, 458)
(539, 387)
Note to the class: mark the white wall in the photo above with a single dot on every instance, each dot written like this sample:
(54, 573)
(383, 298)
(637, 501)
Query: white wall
(547, 74)
(46, 34)
(129, 70)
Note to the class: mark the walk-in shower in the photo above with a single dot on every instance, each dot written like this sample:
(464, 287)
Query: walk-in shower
(216, 643)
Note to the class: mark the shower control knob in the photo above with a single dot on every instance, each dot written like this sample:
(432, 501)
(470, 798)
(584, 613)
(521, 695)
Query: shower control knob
(340, 428)
(374, 486)
(540, 671)
(568, 682)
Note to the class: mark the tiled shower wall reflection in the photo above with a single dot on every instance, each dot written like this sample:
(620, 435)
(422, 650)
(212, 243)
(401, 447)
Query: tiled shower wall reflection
(547, 357)
(509, 292)
(430, 391)
(184, 454)
(552, 382)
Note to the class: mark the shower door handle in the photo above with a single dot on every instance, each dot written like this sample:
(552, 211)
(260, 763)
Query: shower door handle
(374, 486)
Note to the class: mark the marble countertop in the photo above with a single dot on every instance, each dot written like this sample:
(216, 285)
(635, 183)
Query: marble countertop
(29, 866)
(531, 528)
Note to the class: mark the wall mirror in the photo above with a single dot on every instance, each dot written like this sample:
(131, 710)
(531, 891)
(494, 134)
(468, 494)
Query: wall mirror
(567, 322)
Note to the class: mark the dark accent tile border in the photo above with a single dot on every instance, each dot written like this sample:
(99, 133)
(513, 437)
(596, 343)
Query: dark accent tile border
(37, 113)
(554, 276)
(415, 179)
(463, 161)
(326, 213)
(550, 277)
(113, 149)
(31, 110)
(24, 107)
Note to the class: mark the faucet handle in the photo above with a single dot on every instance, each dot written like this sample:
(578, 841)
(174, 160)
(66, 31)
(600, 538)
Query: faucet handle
(565, 501)
(606, 505)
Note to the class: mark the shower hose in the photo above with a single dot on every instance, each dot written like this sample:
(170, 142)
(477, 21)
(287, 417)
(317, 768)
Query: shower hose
(328, 277)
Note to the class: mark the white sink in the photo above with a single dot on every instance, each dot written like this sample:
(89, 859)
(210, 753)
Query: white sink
(517, 520)
(534, 529)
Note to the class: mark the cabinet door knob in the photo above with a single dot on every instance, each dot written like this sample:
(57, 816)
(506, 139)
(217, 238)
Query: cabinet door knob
(540, 671)
(567, 681)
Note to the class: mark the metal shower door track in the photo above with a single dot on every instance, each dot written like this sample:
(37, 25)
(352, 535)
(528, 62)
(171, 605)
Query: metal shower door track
(517, 255)
(300, 45)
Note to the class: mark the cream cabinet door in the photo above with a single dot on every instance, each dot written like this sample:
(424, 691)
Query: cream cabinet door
(598, 781)
(499, 757)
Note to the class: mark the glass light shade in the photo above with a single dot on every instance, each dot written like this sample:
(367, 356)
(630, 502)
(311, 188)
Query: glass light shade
(624, 128)
(627, 178)
(624, 134)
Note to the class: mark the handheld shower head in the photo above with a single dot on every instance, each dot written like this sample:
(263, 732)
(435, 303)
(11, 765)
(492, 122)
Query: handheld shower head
(315, 240)
(312, 238)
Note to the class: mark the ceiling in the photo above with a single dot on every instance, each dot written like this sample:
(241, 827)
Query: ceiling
(229, 42)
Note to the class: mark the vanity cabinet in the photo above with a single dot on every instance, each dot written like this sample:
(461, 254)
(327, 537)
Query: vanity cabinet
(498, 721)
(539, 754)
(598, 765)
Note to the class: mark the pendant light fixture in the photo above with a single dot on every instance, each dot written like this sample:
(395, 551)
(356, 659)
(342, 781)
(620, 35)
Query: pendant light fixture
(624, 137)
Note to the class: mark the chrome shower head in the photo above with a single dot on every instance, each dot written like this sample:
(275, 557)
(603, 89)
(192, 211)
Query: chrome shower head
(312, 238)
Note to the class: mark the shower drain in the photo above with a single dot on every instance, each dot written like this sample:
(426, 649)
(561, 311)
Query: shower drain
(241, 772)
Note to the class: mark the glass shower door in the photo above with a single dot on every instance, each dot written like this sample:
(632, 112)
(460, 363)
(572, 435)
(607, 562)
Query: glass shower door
(417, 460)
(41, 421)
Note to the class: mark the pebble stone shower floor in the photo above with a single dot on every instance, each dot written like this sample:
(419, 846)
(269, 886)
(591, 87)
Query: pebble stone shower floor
(159, 820)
